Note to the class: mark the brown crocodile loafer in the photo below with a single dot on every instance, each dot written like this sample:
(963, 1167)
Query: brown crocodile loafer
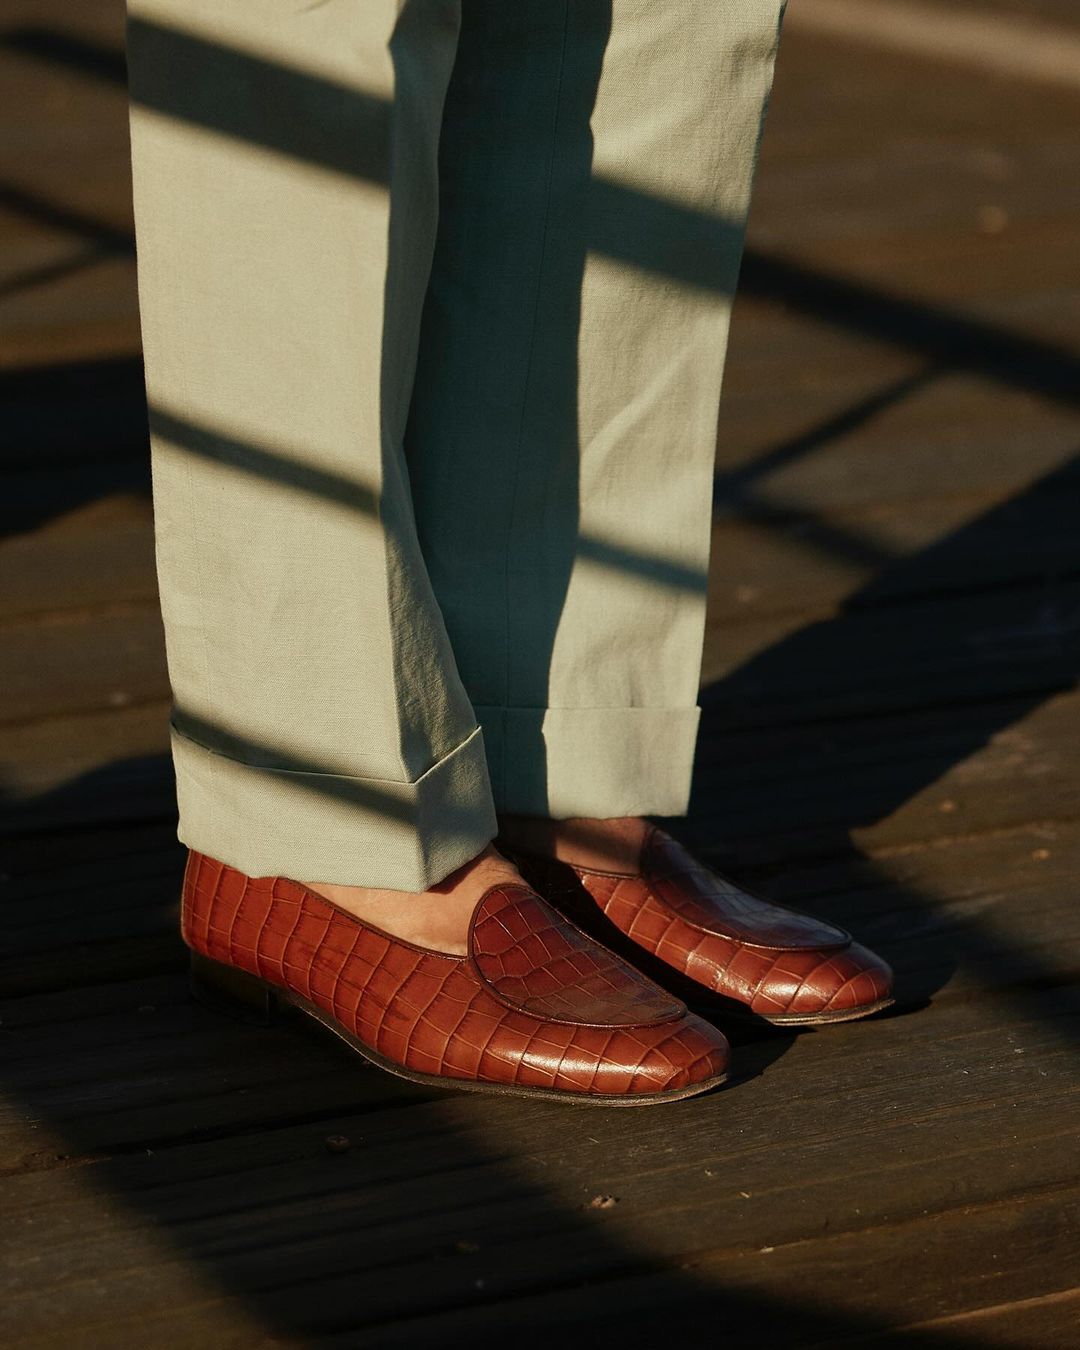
(704, 933)
(534, 1009)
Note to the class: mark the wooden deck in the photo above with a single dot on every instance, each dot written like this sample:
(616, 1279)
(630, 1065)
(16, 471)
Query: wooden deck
(890, 735)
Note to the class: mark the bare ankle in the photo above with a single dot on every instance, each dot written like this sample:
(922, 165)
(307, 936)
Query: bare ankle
(437, 918)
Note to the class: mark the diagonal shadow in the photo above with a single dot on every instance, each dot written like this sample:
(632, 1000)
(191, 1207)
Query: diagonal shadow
(288, 111)
(350, 1273)
(106, 238)
(428, 1224)
(68, 51)
(649, 234)
(209, 443)
(626, 224)
(70, 433)
(271, 466)
(732, 489)
(103, 241)
(857, 709)
(50, 272)
(954, 340)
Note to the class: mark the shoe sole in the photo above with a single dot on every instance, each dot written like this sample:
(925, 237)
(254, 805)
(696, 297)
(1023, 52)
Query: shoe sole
(823, 1019)
(244, 997)
(719, 1008)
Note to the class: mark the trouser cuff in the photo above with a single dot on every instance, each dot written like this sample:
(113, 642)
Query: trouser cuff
(562, 762)
(327, 827)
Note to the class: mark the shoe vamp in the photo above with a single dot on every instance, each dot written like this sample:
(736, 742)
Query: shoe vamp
(536, 961)
(700, 897)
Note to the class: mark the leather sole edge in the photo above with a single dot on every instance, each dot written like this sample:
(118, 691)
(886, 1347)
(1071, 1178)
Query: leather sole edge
(828, 1018)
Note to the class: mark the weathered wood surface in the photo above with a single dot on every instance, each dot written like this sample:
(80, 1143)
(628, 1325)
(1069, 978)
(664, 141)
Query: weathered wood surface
(890, 737)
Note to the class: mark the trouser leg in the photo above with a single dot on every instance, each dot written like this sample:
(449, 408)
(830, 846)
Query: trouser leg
(596, 167)
(286, 201)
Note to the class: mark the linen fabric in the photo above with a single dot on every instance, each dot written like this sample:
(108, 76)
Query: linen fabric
(435, 298)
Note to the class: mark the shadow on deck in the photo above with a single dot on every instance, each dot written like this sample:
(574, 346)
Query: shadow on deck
(889, 735)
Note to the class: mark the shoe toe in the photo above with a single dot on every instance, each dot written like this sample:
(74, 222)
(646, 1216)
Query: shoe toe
(650, 1061)
(824, 984)
(668, 1058)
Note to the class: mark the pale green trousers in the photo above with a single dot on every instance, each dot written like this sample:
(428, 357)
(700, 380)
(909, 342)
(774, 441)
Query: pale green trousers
(435, 299)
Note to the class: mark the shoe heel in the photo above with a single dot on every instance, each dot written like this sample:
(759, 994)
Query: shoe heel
(235, 993)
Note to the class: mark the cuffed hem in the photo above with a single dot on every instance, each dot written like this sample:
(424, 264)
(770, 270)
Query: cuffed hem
(562, 762)
(326, 827)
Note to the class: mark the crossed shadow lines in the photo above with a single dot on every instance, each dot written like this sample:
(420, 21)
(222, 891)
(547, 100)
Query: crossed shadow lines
(648, 233)
(1029, 647)
(653, 235)
(103, 241)
(927, 662)
(953, 341)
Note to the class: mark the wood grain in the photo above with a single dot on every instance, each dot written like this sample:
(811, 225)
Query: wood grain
(889, 738)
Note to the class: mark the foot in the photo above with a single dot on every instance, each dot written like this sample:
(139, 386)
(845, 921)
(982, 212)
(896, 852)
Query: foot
(535, 1009)
(438, 918)
(641, 893)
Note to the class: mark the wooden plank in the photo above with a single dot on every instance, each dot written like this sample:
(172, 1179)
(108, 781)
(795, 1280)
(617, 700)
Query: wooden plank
(785, 668)
(970, 914)
(853, 1133)
(762, 796)
(862, 434)
(889, 781)
(99, 19)
(900, 100)
(89, 313)
(70, 179)
(166, 1072)
(84, 662)
(923, 184)
(818, 1297)
(150, 1066)
(944, 265)
(37, 496)
(1048, 11)
(32, 860)
(881, 554)
(993, 45)
(102, 768)
(100, 552)
(938, 651)
(1047, 1323)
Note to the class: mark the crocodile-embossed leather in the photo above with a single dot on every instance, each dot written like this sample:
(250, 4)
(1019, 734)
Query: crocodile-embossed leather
(534, 1006)
(784, 966)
